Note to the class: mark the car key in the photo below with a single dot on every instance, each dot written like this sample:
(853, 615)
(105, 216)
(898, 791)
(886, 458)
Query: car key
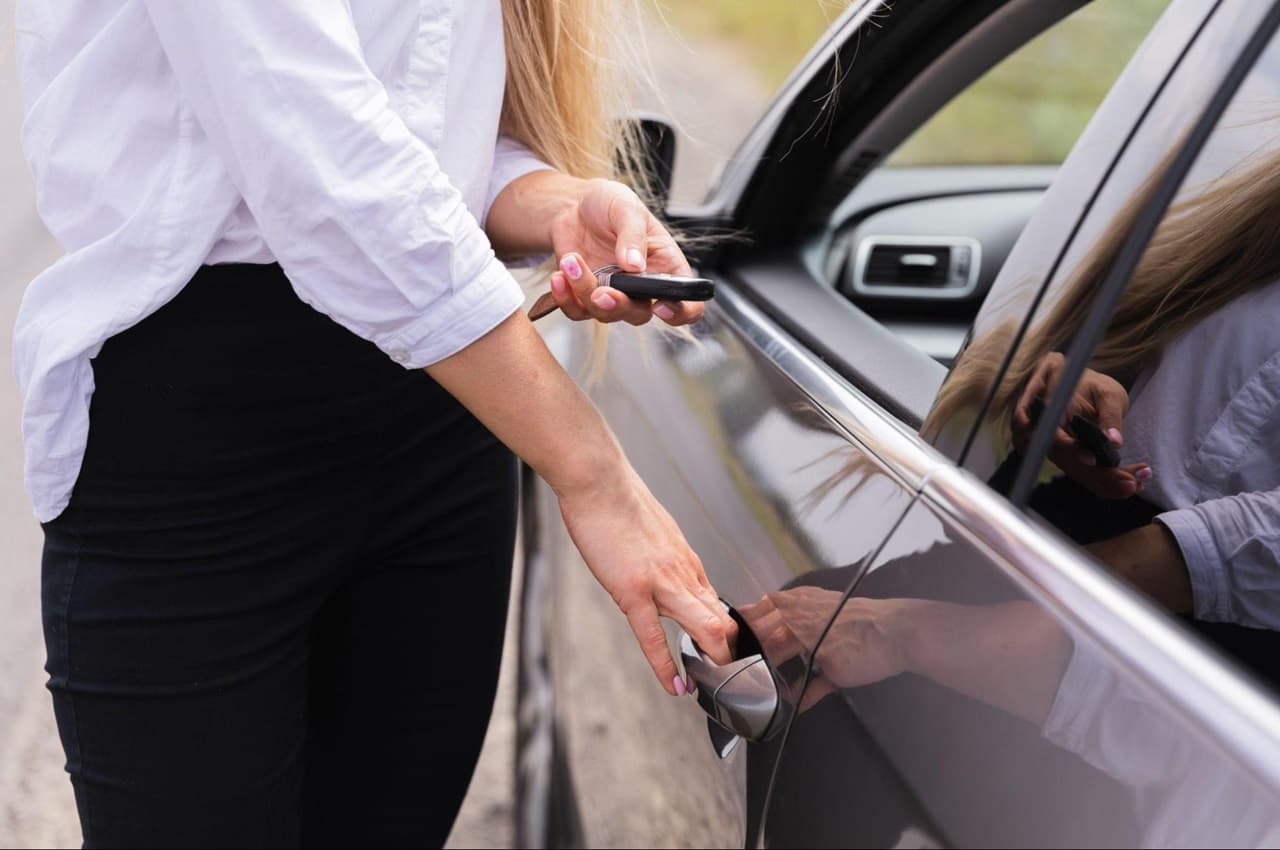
(661, 287)
(1086, 433)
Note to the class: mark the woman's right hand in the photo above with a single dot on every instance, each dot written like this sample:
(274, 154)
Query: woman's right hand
(1098, 397)
(638, 553)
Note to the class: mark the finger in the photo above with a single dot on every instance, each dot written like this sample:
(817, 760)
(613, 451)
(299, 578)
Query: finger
(1110, 403)
(709, 629)
(678, 313)
(653, 643)
(630, 221)
(610, 305)
(602, 303)
(1110, 483)
(566, 299)
(1036, 383)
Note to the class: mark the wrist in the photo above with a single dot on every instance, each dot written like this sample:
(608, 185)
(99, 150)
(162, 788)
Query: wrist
(903, 626)
(596, 471)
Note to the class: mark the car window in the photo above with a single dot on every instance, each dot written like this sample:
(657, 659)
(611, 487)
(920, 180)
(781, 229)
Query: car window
(717, 64)
(1166, 466)
(1031, 108)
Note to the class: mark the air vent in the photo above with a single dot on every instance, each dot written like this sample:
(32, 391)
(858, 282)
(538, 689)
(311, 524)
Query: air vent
(908, 265)
(916, 266)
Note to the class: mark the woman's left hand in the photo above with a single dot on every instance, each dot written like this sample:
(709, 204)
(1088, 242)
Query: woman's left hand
(611, 225)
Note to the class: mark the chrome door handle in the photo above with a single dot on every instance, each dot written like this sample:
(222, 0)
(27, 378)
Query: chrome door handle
(740, 698)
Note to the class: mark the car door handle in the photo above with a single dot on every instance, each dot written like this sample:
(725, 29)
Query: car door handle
(740, 697)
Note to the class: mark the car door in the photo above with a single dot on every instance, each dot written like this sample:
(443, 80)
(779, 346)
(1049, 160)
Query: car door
(1037, 700)
(781, 437)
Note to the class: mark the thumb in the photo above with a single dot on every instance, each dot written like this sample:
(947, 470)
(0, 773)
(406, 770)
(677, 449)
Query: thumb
(1111, 404)
(631, 222)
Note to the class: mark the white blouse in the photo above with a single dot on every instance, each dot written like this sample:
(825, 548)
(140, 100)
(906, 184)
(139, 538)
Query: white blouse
(1206, 416)
(355, 142)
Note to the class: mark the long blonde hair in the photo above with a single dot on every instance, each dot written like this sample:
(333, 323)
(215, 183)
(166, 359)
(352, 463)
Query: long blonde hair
(1211, 248)
(568, 86)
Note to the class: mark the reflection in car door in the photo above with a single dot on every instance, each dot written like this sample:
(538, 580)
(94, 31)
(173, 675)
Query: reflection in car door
(1036, 701)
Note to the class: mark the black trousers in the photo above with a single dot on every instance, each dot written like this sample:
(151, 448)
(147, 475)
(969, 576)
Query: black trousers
(274, 607)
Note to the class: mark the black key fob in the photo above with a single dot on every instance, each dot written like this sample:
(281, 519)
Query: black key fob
(1086, 433)
(661, 287)
(1090, 437)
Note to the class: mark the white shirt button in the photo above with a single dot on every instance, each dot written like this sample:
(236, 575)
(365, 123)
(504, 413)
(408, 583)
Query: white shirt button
(400, 356)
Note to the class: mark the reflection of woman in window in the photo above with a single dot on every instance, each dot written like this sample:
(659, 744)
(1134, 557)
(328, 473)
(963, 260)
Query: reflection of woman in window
(1193, 346)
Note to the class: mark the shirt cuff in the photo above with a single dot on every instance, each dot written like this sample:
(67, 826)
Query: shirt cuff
(450, 326)
(511, 162)
(1210, 592)
(1086, 684)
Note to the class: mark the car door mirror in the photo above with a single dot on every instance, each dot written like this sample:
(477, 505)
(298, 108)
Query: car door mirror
(656, 154)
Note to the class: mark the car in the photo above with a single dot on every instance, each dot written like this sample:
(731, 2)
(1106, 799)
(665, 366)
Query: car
(834, 440)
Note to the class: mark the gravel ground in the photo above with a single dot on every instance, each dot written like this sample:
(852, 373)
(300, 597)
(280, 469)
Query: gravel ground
(36, 808)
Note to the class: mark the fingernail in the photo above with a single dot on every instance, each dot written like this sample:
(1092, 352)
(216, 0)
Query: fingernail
(1114, 435)
(678, 684)
(603, 300)
(570, 266)
(557, 284)
(1144, 475)
(635, 258)
(664, 312)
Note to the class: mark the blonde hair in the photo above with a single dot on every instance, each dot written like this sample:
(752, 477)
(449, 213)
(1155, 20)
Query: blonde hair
(1210, 249)
(568, 86)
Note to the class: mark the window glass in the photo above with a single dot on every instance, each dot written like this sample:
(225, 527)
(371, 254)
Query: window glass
(717, 64)
(1167, 464)
(1030, 108)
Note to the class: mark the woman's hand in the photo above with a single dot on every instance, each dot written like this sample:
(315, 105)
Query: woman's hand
(866, 644)
(638, 554)
(1098, 397)
(610, 225)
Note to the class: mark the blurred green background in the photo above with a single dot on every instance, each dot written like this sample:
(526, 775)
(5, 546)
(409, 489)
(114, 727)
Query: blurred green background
(1028, 109)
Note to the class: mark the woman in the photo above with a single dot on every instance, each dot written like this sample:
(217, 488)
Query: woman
(1192, 347)
(277, 553)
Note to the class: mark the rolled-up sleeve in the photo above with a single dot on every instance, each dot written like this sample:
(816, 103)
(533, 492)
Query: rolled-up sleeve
(511, 161)
(354, 206)
(1231, 547)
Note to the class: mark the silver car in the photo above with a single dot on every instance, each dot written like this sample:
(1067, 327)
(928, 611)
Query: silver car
(838, 444)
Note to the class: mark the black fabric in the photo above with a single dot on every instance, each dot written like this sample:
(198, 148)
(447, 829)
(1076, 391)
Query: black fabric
(274, 607)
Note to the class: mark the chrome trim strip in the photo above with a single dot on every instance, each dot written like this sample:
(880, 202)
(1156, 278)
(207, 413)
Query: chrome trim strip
(944, 292)
(886, 439)
(1213, 696)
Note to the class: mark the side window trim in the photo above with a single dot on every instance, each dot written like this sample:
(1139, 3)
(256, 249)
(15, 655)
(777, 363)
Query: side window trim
(1025, 325)
(1131, 253)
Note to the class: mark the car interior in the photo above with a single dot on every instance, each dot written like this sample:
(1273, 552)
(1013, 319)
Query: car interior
(886, 267)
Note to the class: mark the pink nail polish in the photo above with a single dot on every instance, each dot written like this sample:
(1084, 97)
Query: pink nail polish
(557, 284)
(603, 300)
(569, 265)
(1114, 435)
(664, 312)
(678, 684)
(1144, 475)
(635, 258)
